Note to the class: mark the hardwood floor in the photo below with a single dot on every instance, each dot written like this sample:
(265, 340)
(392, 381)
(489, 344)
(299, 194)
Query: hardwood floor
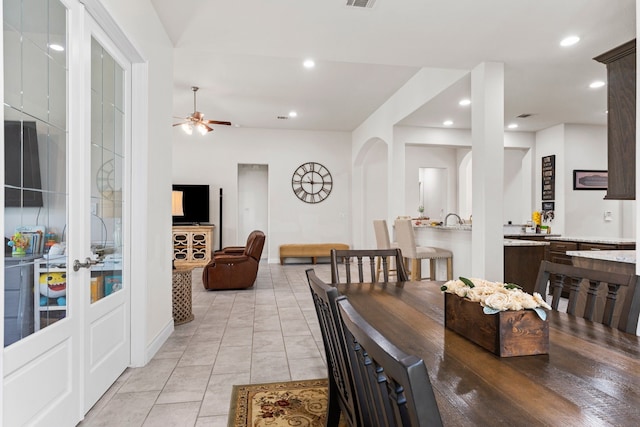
(266, 333)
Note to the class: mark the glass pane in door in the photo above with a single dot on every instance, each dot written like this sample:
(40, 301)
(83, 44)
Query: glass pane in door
(107, 133)
(35, 148)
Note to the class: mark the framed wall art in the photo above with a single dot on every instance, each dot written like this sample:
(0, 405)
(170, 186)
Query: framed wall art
(590, 179)
(549, 177)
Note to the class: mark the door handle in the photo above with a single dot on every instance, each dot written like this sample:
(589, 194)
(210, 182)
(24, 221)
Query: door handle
(88, 262)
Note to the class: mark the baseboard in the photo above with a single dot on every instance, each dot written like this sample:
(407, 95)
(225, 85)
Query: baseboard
(159, 340)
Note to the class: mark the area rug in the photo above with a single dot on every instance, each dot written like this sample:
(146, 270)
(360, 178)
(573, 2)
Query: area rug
(292, 403)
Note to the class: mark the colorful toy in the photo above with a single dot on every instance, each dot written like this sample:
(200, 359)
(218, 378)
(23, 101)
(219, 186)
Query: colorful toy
(53, 285)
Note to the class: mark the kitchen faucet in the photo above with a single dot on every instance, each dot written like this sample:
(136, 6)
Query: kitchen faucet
(460, 221)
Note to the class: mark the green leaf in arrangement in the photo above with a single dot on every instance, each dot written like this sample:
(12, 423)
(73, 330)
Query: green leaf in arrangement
(489, 310)
(443, 288)
(512, 286)
(541, 313)
(467, 282)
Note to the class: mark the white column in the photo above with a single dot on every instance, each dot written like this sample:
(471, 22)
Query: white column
(487, 134)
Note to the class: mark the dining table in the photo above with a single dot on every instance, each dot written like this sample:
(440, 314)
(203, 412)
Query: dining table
(590, 377)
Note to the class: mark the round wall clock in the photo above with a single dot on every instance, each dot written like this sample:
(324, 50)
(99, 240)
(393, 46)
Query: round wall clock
(105, 179)
(311, 182)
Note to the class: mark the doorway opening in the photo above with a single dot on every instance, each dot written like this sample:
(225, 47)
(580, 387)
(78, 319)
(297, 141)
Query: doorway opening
(253, 201)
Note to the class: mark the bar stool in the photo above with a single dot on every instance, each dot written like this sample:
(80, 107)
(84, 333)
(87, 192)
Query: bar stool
(383, 242)
(407, 244)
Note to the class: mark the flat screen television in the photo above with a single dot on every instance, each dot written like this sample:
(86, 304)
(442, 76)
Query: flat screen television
(21, 165)
(195, 204)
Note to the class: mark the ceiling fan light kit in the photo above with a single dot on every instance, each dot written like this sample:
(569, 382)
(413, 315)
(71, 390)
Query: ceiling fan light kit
(196, 120)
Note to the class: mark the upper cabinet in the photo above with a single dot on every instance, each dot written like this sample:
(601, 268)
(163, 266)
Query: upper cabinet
(621, 120)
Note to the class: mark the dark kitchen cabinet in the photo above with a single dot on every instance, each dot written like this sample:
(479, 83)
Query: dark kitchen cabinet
(621, 120)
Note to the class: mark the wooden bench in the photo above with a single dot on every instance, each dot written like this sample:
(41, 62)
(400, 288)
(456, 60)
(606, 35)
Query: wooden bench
(308, 250)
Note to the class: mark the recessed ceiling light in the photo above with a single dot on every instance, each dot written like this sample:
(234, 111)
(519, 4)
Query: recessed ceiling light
(56, 47)
(293, 114)
(512, 126)
(569, 41)
(596, 84)
(465, 102)
(447, 122)
(309, 63)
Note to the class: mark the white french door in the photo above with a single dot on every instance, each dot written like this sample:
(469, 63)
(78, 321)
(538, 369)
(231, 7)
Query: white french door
(69, 92)
(107, 322)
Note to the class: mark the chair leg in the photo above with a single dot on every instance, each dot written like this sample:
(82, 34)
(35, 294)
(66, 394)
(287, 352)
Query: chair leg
(377, 269)
(450, 268)
(416, 273)
(432, 269)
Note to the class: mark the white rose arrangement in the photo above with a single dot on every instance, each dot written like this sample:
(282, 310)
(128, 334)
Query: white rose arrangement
(495, 297)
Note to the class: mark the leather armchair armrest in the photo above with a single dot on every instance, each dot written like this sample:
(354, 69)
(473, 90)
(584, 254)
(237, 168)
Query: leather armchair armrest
(229, 259)
(230, 250)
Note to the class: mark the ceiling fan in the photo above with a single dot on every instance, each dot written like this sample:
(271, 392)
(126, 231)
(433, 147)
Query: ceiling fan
(196, 119)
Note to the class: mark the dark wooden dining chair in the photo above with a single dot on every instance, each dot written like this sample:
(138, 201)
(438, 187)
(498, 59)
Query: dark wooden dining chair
(609, 298)
(394, 387)
(360, 258)
(342, 395)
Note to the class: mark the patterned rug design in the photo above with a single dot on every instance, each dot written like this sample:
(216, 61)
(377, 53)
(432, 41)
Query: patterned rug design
(294, 403)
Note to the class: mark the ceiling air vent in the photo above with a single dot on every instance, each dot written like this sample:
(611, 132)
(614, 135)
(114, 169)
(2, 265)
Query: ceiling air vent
(283, 117)
(361, 3)
(524, 115)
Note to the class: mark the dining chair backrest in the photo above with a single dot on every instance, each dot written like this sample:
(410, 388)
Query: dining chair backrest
(360, 258)
(342, 396)
(609, 298)
(405, 237)
(382, 234)
(394, 387)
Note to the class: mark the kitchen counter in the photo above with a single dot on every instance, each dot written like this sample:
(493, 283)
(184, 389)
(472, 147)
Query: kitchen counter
(456, 227)
(620, 261)
(535, 235)
(628, 256)
(602, 240)
(457, 239)
(520, 242)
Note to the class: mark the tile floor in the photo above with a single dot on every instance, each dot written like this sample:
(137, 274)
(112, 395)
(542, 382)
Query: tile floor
(264, 334)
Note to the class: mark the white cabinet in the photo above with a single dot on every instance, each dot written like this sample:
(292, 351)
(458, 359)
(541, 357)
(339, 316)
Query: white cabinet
(192, 245)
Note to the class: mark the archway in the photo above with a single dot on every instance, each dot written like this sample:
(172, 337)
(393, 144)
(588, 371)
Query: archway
(370, 190)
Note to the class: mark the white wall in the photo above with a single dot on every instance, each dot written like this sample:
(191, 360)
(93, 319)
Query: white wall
(580, 147)
(551, 142)
(151, 290)
(425, 156)
(515, 207)
(586, 148)
(213, 160)
(375, 170)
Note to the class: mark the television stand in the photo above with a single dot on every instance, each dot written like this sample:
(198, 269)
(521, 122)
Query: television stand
(192, 245)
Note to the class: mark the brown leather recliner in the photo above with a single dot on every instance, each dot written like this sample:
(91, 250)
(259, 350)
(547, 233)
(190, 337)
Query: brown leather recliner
(235, 270)
(236, 250)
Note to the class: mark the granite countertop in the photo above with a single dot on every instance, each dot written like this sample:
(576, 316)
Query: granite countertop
(507, 235)
(604, 240)
(519, 242)
(628, 256)
(461, 227)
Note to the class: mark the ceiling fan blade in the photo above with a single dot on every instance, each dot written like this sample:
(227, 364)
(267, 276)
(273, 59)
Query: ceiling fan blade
(216, 122)
(179, 124)
(209, 128)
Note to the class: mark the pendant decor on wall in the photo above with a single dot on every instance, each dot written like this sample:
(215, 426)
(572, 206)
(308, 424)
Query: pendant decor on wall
(311, 182)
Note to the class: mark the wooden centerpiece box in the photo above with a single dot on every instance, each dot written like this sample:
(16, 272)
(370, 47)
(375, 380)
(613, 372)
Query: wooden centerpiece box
(506, 334)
